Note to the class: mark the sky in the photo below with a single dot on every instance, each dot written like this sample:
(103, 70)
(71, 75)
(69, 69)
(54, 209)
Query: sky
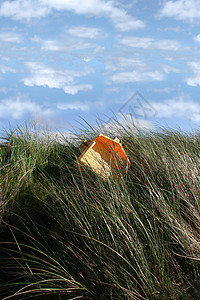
(64, 63)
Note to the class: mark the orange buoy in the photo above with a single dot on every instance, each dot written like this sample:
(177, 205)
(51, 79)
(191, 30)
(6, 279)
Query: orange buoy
(105, 156)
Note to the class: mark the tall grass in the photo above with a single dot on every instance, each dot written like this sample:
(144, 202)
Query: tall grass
(69, 234)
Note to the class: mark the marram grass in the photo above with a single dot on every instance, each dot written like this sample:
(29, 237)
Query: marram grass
(66, 234)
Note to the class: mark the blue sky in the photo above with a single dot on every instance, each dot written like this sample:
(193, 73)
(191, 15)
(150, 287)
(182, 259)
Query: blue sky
(62, 61)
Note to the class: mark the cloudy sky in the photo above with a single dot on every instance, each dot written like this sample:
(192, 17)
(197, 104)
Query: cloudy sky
(64, 61)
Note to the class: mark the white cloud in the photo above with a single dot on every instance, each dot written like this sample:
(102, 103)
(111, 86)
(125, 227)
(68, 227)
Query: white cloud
(184, 10)
(23, 9)
(85, 32)
(78, 6)
(60, 137)
(68, 45)
(123, 21)
(195, 79)
(170, 45)
(75, 105)
(51, 46)
(167, 69)
(4, 69)
(197, 38)
(4, 90)
(118, 123)
(28, 9)
(150, 43)
(15, 108)
(136, 76)
(122, 63)
(127, 68)
(10, 37)
(109, 9)
(65, 45)
(175, 29)
(42, 75)
(137, 42)
(167, 90)
(178, 107)
(74, 89)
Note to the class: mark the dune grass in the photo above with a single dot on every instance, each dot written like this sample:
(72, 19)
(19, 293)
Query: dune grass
(66, 234)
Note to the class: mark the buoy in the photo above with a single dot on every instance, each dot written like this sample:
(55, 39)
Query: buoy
(104, 156)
